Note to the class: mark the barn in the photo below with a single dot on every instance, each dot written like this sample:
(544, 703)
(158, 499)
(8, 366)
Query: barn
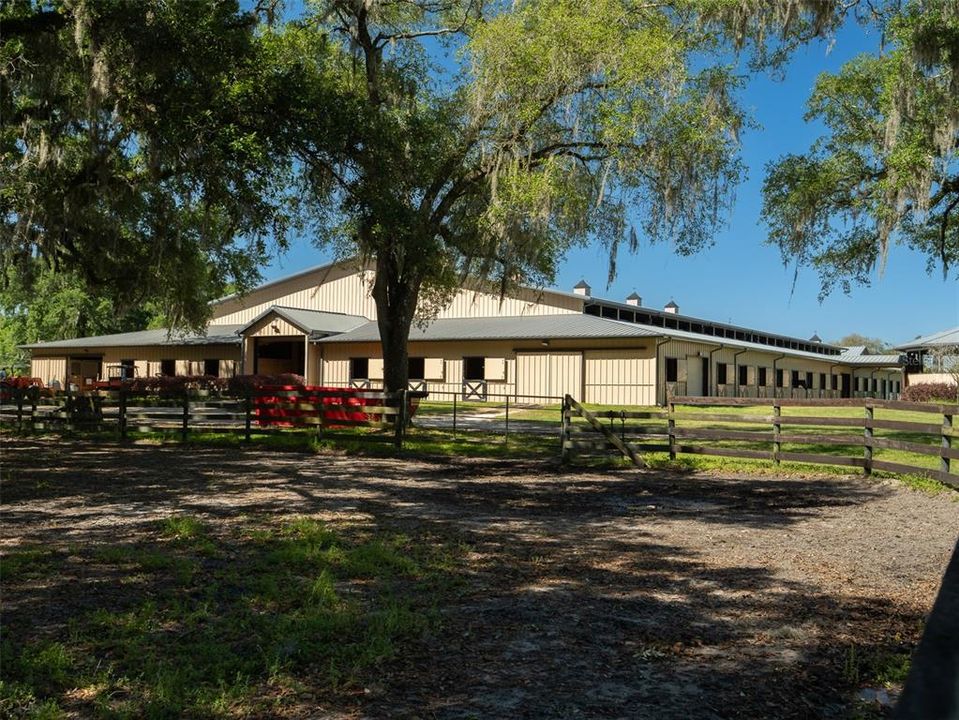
(532, 344)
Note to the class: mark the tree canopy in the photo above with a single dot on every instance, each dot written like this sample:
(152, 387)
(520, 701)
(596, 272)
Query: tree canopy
(154, 149)
(136, 148)
(885, 170)
(555, 122)
(40, 304)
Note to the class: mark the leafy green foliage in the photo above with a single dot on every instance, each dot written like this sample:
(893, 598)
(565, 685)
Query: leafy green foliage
(885, 169)
(135, 150)
(38, 303)
(872, 344)
(554, 123)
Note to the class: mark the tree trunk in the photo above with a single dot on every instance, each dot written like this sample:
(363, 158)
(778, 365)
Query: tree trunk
(396, 294)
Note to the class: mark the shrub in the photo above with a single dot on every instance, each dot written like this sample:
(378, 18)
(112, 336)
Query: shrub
(240, 383)
(930, 392)
(178, 383)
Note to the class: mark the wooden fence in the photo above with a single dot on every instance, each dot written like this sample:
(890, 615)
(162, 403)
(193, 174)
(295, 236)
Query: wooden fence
(763, 436)
(260, 410)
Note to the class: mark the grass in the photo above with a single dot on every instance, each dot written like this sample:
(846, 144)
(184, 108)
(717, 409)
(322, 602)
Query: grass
(525, 444)
(203, 625)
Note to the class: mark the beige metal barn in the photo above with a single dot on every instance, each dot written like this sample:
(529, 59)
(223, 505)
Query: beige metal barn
(534, 343)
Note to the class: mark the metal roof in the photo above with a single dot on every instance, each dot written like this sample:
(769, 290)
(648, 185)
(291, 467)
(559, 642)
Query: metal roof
(575, 326)
(316, 323)
(215, 335)
(567, 326)
(856, 355)
(943, 337)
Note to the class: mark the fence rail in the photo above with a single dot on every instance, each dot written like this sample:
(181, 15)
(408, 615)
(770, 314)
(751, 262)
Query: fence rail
(259, 410)
(761, 436)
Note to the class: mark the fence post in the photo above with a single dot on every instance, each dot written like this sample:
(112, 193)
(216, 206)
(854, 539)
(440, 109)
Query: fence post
(564, 430)
(946, 442)
(122, 415)
(777, 431)
(34, 398)
(186, 415)
(671, 429)
(248, 409)
(867, 440)
(506, 438)
(454, 414)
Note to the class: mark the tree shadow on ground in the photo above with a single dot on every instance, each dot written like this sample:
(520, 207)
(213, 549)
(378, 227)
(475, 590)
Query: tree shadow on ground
(569, 601)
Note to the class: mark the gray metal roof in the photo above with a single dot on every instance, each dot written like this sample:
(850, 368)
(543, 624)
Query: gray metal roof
(567, 326)
(856, 355)
(215, 335)
(316, 323)
(939, 339)
(575, 326)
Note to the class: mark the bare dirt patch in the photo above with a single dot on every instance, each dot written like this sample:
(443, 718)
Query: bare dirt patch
(583, 593)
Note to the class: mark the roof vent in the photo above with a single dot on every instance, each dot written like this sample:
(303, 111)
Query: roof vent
(634, 300)
(581, 288)
(671, 308)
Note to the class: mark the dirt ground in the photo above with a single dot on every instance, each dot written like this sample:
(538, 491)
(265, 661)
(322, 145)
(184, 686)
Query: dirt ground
(588, 594)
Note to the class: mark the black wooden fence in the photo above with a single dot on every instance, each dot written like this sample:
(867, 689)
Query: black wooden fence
(763, 436)
(256, 410)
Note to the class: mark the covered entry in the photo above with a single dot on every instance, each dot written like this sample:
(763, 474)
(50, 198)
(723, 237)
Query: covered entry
(276, 356)
(278, 340)
(84, 371)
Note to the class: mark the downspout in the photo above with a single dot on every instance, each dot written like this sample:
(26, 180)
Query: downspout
(776, 360)
(659, 366)
(736, 371)
(712, 372)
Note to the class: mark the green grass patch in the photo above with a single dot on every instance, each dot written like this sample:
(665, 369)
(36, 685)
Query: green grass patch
(20, 564)
(875, 667)
(193, 624)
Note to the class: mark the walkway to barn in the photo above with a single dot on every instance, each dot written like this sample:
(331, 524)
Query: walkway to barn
(580, 593)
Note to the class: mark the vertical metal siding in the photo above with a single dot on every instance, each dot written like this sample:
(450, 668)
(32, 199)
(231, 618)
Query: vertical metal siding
(350, 294)
(620, 377)
(49, 369)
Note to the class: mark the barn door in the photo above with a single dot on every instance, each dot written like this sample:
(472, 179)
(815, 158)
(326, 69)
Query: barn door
(549, 374)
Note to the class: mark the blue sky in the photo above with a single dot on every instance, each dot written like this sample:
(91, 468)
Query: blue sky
(740, 279)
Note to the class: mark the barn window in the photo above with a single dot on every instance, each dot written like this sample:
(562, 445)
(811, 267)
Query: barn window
(672, 370)
(762, 377)
(809, 379)
(721, 373)
(743, 375)
(416, 368)
(474, 368)
(795, 378)
(211, 367)
(822, 381)
(168, 368)
(359, 368)
(835, 382)
(779, 377)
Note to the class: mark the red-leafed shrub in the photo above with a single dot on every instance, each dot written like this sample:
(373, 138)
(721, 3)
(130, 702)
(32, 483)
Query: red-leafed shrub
(240, 383)
(179, 383)
(930, 392)
(22, 381)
